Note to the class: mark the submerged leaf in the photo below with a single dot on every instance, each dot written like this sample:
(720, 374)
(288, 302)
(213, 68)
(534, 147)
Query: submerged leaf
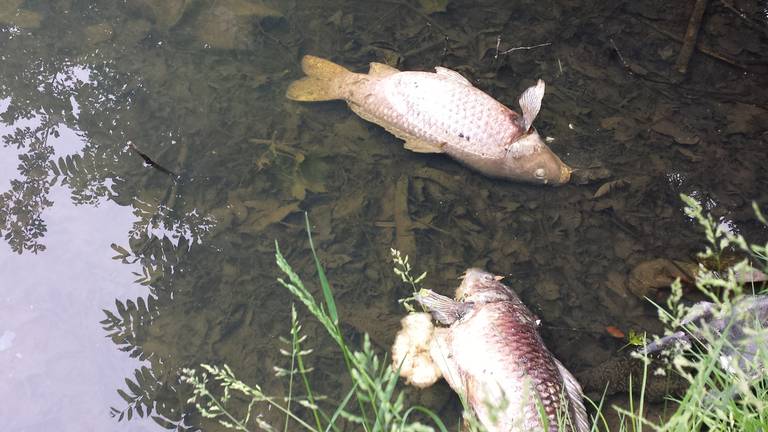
(433, 6)
(615, 332)
(609, 187)
(260, 219)
(675, 131)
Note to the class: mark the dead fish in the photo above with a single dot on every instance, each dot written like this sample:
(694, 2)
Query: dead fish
(742, 326)
(492, 355)
(441, 112)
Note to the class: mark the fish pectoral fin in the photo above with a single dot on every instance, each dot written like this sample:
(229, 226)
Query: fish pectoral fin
(453, 75)
(530, 103)
(444, 309)
(422, 146)
(440, 352)
(524, 146)
(579, 419)
(381, 69)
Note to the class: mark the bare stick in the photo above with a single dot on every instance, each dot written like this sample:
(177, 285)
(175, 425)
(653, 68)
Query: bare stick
(621, 57)
(525, 48)
(689, 42)
(742, 15)
(152, 163)
(701, 47)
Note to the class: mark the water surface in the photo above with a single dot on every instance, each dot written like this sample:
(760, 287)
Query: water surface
(179, 253)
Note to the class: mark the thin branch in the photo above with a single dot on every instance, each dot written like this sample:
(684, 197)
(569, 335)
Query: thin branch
(152, 163)
(752, 23)
(498, 43)
(701, 47)
(689, 43)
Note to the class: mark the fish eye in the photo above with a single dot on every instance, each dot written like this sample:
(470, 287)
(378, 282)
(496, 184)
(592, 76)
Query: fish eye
(539, 173)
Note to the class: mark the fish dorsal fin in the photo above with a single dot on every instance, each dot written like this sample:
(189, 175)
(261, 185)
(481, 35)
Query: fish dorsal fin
(381, 69)
(579, 419)
(452, 74)
(530, 103)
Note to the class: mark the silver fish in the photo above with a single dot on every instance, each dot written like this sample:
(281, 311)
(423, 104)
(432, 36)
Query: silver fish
(492, 355)
(441, 112)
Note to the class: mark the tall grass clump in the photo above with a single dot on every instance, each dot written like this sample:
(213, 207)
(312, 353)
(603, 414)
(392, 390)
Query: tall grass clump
(372, 403)
(721, 351)
(721, 344)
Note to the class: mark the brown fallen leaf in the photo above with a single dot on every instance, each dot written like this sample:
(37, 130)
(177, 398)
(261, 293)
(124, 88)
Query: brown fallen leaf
(624, 129)
(589, 175)
(745, 119)
(611, 122)
(609, 187)
(617, 283)
(165, 13)
(331, 261)
(433, 6)
(650, 276)
(442, 178)
(636, 68)
(258, 220)
(676, 132)
(690, 155)
(615, 332)
(11, 14)
(228, 24)
(349, 204)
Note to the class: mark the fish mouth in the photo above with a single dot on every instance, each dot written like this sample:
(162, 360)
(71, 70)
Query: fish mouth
(565, 174)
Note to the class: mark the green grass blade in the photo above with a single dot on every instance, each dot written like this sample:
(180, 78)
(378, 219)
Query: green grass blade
(327, 293)
(428, 412)
(341, 407)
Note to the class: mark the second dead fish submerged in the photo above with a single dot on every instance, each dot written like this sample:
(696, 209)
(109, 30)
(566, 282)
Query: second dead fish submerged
(492, 355)
(441, 112)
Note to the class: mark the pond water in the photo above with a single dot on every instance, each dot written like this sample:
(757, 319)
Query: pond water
(118, 272)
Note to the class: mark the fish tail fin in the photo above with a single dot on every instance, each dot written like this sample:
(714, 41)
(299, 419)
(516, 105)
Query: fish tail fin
(324, 81)
(575, 396)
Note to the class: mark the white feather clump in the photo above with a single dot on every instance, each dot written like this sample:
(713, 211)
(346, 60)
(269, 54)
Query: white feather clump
(410, 351)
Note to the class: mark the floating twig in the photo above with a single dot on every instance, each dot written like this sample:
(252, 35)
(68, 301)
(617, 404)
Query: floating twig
(621, 57)
(752, 23)
(689, 42)
(499, 52)
(699, 46)
(152, 163)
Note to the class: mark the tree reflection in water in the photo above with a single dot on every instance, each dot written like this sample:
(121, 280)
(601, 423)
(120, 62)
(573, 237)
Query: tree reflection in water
(115, 76)
(197, 87)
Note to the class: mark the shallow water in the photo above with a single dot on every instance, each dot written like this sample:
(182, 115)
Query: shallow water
(197, 87)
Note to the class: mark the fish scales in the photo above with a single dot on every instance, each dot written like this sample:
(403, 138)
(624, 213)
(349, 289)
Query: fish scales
(441, 112)
(491, 353)
(512, 349)
(440, 109)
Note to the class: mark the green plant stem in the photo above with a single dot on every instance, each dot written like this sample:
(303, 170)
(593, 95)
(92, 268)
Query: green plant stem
(307, 387)
(294, 346)
(221, 408)
(292, 415)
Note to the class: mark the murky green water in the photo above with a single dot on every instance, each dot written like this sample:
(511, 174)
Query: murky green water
(87, 88)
